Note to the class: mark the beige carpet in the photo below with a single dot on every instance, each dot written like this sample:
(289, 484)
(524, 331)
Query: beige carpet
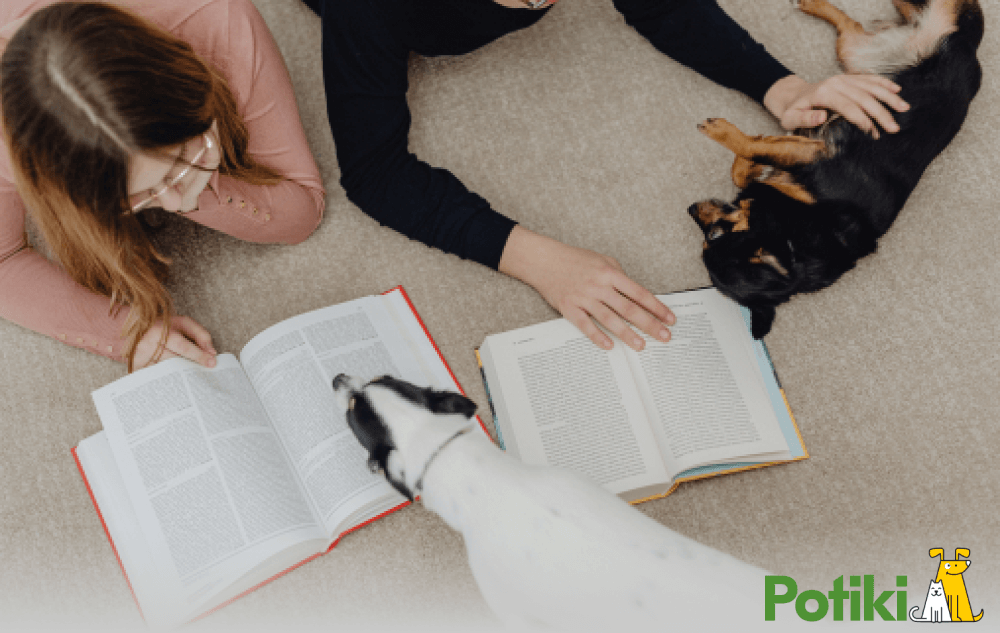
(579, 129)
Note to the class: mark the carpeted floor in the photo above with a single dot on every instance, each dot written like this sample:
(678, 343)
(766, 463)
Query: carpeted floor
(580, 130)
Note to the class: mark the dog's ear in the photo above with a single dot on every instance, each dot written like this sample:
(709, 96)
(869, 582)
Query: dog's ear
(448, 402)
(937, 551)
(961, 551)
(761, 319)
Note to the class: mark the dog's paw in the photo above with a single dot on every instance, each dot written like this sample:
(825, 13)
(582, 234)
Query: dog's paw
(708, 124)
(717, 129)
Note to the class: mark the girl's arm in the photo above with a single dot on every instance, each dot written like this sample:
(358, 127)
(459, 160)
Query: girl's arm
(39, 295)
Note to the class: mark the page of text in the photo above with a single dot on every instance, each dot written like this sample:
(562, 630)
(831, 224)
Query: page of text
(572, 404)
(292, 366)
(702, 389)
(206, 474)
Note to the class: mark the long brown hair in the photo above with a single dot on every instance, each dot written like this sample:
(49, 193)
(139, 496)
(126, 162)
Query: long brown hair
(84, 86)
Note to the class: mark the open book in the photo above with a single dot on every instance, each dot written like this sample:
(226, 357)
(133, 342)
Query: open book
(639, 423)
(212, 481)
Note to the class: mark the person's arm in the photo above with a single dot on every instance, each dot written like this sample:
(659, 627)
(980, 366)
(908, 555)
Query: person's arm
(289, 211)
(700, 35)
(39, 295)
(364, 69)
(365, 72)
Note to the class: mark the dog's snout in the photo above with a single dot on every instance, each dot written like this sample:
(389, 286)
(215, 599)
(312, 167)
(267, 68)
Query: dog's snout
(341, 381)
(707, 212)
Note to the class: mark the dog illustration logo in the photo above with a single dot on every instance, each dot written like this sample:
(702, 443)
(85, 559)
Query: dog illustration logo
(947, 598)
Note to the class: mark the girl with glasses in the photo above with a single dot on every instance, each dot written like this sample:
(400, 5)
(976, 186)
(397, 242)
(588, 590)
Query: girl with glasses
(108, 112)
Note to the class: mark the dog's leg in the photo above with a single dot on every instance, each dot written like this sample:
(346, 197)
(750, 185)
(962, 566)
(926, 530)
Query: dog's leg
(753, 153)
(825, 11)
(777, 151)
(745, 172)
(850, 33)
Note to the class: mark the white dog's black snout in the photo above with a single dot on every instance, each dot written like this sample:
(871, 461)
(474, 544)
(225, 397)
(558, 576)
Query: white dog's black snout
(341, 381)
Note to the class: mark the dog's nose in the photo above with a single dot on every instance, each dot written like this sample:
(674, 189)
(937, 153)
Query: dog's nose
(693, 212)
(341, 381)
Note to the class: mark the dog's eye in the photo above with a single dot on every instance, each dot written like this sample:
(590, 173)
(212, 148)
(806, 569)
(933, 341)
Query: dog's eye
(716, 232)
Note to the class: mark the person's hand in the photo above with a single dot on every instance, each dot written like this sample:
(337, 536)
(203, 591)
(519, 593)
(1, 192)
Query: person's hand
(187, 339)
(861, 99)
(183, 197)
(585, 287)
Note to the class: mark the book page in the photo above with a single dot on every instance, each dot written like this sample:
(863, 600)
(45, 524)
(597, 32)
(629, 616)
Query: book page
(111, 496)
(571, 404)
(702, 390)
(292, 366)
(205, 473)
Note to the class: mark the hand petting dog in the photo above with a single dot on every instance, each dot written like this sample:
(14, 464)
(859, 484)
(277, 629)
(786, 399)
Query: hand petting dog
(797, 103)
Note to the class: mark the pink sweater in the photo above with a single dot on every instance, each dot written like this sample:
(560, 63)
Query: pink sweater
(232, 36)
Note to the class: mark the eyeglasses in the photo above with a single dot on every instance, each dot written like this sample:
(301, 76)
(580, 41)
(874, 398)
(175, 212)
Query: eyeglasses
(139, 206)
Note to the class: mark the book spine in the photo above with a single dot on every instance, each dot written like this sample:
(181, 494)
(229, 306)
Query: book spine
(489, 399)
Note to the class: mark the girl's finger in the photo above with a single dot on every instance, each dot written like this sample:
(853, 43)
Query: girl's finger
(196, 332)
(167, 354)
(183, 347)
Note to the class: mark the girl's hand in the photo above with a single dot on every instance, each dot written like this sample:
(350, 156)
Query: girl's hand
(187, 339)
(587, 288)
(183, 196)
(861, 99)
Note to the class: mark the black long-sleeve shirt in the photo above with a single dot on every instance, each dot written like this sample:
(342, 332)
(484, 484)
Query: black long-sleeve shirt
(366, 44)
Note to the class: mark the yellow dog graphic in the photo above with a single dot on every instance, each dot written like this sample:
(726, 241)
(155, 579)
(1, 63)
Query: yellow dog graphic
(950, 576)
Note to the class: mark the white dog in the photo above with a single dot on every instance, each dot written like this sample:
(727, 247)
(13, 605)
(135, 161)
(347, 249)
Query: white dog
(546, 547)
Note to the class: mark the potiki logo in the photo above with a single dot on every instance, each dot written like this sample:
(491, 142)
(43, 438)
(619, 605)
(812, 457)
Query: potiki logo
(947, 598)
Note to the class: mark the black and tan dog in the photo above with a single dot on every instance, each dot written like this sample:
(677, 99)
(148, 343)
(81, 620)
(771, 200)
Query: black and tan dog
(811, 205)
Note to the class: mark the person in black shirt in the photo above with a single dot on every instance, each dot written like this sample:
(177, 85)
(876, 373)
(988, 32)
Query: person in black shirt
(366, 45)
